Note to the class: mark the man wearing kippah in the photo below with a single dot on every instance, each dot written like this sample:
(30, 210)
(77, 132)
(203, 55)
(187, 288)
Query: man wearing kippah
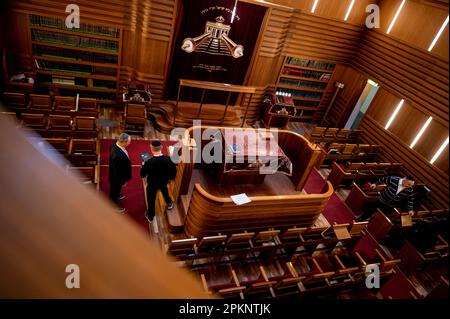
(159, 170)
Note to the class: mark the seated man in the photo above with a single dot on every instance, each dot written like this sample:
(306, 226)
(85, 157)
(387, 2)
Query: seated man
(159, 170)
(397, 191)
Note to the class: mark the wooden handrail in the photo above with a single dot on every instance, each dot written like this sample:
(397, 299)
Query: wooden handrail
(223, 200)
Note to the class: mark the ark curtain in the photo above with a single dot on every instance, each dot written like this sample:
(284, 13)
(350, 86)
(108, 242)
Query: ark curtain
(211, 59)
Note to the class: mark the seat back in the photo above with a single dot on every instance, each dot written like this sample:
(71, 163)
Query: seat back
(83, 146)
(211, 241)
(240, 239)
(15, 99)
(136, 110)
(356, 228)
(292, 234)
(87, 105)
(318, 131)
(59, 144)
(181, 246)
(85, 123)
(60, 122)
(33, 120)
(64, 103)
(379, 226)
(348, 148)
(331, 132)
(265, 236)
(41, 102)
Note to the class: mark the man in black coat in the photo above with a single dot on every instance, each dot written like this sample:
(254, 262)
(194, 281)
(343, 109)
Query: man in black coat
(398, 193)
(119, 168)
(159, 170)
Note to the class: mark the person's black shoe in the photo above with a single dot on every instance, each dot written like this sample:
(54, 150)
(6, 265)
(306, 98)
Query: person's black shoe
(121, 196)
(359, 219)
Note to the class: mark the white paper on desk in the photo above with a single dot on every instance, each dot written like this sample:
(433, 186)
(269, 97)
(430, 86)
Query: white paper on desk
(240, 199)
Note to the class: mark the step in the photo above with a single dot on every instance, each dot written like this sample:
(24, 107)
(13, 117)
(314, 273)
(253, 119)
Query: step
(175, 219)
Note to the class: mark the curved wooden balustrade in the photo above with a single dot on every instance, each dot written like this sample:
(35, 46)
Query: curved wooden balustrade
(210, 215)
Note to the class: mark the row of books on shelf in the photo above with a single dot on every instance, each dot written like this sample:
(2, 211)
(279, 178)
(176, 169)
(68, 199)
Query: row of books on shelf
(75, 81)
(299, 93)
(301, 83)
(74, 40)
(310, 63)
(84, 28)
(307, 74)
(73, 68)
(75, 55)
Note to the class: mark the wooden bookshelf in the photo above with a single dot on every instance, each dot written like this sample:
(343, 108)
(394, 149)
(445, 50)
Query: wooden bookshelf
(305, 81)
(84, 61)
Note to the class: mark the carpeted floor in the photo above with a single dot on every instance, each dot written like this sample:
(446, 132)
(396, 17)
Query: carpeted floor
(336, 210)
(134, 201)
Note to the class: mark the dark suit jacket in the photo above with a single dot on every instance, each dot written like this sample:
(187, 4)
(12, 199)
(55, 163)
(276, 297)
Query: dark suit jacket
(119, 165)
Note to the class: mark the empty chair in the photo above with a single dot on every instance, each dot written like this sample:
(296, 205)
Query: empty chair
(182, 246)
(85, 126)
(15, 100)
(88, 107)
(314, 232)
(34, 121)
(265, 237)
(40, 103)
(135, 118)
(59, 125)
(339, 231)
(285, 276)
(83, 151)
(210, 244)
(292, 235)
(343, 134)
(240, 240)
(348, 148)
(356, 228)
(64, 104)
(255, 278)
(379, 226)
(221, 280)
(59, 144)
(330, 133)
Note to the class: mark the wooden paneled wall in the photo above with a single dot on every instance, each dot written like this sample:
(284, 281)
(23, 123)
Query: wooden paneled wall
(417, 24)
(395, 150)
(347, 97)
(318, 38)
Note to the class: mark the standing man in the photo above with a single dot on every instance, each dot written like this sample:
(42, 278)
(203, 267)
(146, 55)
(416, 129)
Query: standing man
(398, 193)
(159, 170)
(119, 168)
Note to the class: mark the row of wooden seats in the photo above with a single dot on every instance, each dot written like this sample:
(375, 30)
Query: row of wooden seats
(356, 171)
(267, 243)
(333, 134)
(348, 152)
(79, 152)
(61, 125)
(47, 104)
(336, 269)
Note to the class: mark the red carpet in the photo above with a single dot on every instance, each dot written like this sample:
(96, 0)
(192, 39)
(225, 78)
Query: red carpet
(336, 210)
(134, 201)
